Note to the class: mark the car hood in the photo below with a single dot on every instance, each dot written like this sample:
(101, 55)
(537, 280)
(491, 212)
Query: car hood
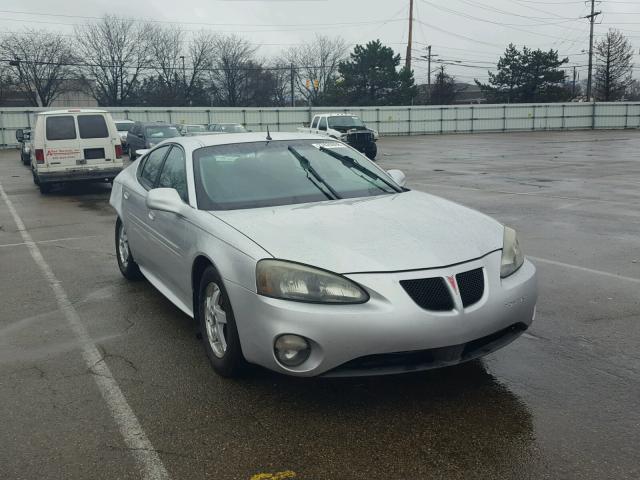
(406, 231)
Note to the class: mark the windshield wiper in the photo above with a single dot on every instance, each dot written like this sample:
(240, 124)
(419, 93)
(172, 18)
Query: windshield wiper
(353, 163)
(307, 167)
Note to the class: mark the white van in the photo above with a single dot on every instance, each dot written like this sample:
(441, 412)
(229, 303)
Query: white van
(74, 145)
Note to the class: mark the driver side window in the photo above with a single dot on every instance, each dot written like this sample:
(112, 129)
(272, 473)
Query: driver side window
(323, 124)
(174, 173)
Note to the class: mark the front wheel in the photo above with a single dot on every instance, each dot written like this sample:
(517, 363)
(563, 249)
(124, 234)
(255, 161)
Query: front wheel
(132, 154)
(126, 263)
(218, 326)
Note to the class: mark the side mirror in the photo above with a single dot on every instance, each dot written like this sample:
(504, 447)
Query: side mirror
(165, 200)
(20, 135)
(398, 176)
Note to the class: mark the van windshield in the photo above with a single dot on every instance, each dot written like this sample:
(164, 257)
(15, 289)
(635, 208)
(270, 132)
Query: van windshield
(162, 132)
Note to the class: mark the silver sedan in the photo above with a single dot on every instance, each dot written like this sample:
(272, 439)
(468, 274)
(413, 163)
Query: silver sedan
(297, 253)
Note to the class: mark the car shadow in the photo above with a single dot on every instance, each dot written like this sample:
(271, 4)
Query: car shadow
(457, 419)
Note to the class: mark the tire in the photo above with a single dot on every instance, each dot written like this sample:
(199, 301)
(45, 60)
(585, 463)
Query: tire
(132, 154)
(371, 151)
(213, 305)
(44, 187)
(127, 265)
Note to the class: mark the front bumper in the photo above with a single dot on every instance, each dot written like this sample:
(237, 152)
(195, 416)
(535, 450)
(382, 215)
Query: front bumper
(346, 338)
(79, 175)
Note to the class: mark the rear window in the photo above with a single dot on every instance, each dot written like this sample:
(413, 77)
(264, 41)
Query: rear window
(123, 126)
(92, 126)
(61, 128)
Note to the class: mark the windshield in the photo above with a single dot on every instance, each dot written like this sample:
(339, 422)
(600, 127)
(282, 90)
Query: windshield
(123, 126)
(263, 174)
(345, 121)
(162, 132)
(232, 128)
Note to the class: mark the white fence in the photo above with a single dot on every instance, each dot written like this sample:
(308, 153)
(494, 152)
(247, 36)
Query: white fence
(417, 120)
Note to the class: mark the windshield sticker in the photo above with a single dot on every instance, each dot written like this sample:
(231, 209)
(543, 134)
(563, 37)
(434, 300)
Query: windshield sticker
(329, 145)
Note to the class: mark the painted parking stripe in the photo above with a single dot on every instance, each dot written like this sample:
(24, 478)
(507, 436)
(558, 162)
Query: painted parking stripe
(584, 269)
(54, 240)
(134, 436)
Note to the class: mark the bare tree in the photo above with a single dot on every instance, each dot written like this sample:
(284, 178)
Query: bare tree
(42, 64)
(5, 83)
(318, 59)
(180, 64)
(613, 68)
(115, 52)
(232, 63)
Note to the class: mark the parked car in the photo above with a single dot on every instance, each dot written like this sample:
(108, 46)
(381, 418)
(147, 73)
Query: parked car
(74, 145)
(347, 128)
(227, 128)
(273, 244)
(23, 136)
(123, 127)
(144, 135)
(192, 129)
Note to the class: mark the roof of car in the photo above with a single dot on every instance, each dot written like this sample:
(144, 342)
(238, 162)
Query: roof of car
(336, 115)
(230, 138)
(123, 120)
(72, 110)
(158, 124)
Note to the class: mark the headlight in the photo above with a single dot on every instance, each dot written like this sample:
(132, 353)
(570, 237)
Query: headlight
(293, 281)
(512, 256)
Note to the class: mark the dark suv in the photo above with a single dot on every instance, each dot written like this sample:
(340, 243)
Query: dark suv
(144, 135)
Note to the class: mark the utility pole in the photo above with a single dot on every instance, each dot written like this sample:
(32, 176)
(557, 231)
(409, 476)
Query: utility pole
(591, 18)
(410, 42)
(429, 72)
(573, 89)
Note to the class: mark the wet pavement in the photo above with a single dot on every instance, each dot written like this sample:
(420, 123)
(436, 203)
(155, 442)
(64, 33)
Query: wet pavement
(563, 401)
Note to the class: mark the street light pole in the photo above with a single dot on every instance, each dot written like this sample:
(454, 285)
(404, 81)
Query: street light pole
(429, 72)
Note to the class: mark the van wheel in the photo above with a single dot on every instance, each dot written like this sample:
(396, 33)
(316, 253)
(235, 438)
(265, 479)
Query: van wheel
(132, 154)
(218, 326)
(127, 265)
(35, 177)
(44, 187)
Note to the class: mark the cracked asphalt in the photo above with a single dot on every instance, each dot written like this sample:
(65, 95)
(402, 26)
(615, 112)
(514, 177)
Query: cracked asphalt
(563, 401)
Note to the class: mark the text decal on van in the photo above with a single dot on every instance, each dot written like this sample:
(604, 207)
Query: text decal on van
(62, 153)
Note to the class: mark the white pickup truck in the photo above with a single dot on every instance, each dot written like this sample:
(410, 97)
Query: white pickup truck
(347, 128)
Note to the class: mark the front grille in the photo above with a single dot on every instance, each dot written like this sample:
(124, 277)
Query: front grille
(359, 138)
(429, 293)
(471, 286)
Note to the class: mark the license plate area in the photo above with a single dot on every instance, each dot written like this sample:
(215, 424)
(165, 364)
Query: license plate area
(93, 154)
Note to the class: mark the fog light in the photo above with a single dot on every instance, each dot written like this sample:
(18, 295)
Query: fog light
(291, 350)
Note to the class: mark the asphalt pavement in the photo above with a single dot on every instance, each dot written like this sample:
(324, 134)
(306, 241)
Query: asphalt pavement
(89, 360)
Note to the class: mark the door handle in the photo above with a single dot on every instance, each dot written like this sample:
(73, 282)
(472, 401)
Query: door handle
(126, 195)
(151, 215)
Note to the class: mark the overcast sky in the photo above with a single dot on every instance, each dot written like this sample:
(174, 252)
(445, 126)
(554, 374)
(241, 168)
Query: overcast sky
(469, 32)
